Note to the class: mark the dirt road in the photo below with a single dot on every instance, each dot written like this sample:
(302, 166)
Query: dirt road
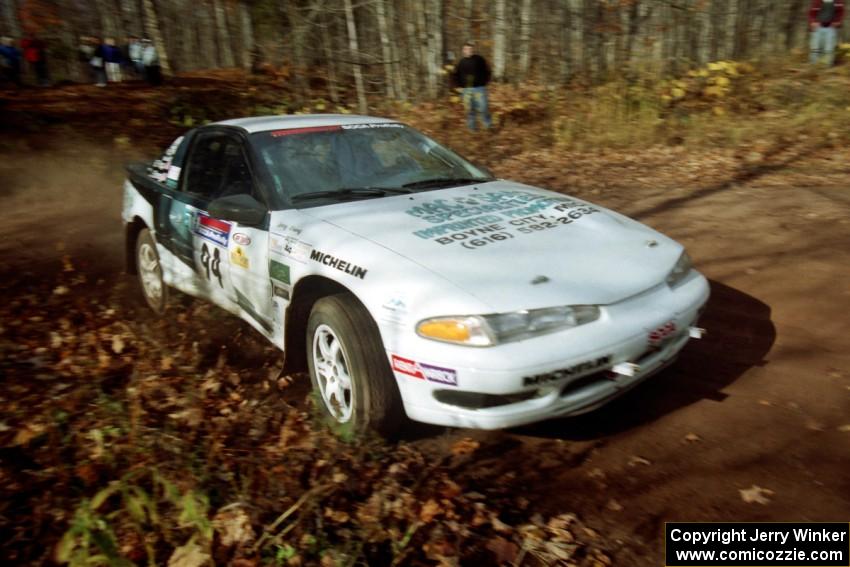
(763, 400)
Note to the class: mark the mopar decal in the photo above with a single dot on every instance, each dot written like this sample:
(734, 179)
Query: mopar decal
(211, 229)
(279, 272)
(572, 371)
(340, 265)
(424, 371)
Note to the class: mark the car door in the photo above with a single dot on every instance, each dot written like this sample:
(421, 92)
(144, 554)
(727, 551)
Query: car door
(230, 262)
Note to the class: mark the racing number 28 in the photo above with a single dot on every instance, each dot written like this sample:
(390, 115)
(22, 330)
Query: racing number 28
(211, 263)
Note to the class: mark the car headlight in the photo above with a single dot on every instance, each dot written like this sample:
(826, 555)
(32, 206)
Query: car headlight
(489, 330)
(680, 270)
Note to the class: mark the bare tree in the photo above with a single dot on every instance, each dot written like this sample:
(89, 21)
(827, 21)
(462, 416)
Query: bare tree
(354, 50)
(499, 40)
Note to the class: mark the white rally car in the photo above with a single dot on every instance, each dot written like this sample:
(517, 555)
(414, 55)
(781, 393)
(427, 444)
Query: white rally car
(405, 279)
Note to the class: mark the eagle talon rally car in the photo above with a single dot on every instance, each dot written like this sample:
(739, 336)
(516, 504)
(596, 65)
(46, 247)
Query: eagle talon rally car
(406, 280)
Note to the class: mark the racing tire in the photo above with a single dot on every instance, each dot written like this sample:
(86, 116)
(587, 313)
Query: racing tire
(149, 269)
(352, 379)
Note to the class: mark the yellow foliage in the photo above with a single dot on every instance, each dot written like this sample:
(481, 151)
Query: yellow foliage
(722, 81)
(678, 92)
(702, 73)
(719, 110)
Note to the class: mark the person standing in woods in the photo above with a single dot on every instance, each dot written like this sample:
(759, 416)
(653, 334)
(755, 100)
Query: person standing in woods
(112, 60)
(150, 60)
(36, 57)
(824, 20)
(472, 75)
(10, 61)
(134, 55)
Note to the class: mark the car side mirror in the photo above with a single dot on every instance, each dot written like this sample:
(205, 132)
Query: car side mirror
(242, 208)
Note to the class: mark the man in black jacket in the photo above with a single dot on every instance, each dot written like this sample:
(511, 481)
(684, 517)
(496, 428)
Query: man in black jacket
(472, 74)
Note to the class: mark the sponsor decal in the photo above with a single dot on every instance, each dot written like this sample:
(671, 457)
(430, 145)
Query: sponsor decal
(662, 334)
(297, 249)
(238, 258)
(280, 291)
(277, 245)
(365, 126)
(394, 311)
(424, 371)
(341, 265)
(173, 173)
(214, 230)
(573, 371)
(279, 271)
(310, 130)
(479, 220)
(407, 366)
(241, 238)
(439, 374)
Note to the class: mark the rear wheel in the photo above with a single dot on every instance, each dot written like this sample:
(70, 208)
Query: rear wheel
(149, 269)
(349, 369)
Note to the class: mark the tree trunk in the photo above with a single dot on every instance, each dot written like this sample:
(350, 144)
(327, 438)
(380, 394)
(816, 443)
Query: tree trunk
(354, 51)
(247, 27)
(225, 53)
(384, 33)
(565, 39)
(10, 16)
(399, 78)
(153, 32)
(525, 39)
(499, 40)
(327, 48)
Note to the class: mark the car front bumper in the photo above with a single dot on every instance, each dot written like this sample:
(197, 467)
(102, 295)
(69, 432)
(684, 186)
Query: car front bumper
(557, 375)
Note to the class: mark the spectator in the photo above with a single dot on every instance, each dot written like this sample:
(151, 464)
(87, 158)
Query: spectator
(10, 61)
(112, 60)
(824, 20)
(134, 54)
(96, 61)
(85, 51)
(150, 59)
(36, 57)
(472, 74)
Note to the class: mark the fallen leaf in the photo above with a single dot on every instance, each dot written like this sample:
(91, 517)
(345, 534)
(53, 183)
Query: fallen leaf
(614, 506)
(756, 495)
(844, 428)
(635, 460)
(61, 290)
(189, 555)
(117, 344)
(28, 432)
(234, 526)
(504, 550)
(429, 510)
(465, 446)
(692, 438)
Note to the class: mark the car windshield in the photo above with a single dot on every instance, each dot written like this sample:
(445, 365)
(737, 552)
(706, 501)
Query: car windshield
(314, 166)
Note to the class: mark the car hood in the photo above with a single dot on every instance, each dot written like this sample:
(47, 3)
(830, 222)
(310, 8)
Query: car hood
(514, 246)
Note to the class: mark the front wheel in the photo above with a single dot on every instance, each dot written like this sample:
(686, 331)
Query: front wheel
(149, 269)
(349, 369)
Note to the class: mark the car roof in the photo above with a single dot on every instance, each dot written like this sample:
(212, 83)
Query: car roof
(264, 123)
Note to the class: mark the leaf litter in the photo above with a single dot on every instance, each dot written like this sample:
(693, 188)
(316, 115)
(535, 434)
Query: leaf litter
(148, 442)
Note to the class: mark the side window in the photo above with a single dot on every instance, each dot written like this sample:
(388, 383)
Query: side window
(217, 167)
